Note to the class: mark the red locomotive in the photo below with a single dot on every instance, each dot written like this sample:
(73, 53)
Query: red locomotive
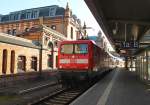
(81, 58)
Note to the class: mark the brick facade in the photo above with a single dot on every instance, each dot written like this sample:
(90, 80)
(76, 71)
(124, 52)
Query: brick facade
(62, 21)
(41, 29)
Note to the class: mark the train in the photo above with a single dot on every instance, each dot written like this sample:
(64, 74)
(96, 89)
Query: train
(82, 59)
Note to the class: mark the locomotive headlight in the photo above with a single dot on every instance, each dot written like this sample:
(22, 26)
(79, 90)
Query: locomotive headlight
(73, 56)
(60, 67)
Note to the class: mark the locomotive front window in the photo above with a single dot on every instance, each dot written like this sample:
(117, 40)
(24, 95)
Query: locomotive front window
(81, 48)
(67, 49)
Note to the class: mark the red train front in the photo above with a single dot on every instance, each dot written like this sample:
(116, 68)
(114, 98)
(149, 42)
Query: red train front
(81, 60)
(75, 55)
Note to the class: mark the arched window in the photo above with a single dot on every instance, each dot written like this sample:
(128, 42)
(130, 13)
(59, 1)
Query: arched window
(4, 63)
(50, 61)
(55, 43)
(12, 62)
(50, 57)
(50, 45)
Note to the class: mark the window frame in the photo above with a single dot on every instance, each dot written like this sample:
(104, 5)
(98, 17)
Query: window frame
(73, 52)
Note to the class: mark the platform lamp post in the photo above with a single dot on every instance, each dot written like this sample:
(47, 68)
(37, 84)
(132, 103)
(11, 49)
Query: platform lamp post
(40, 53)
(40, 59)
(40, 45)
(40, 39)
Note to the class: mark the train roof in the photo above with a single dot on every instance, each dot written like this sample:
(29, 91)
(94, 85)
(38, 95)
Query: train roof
(78, 41)
(82, 41)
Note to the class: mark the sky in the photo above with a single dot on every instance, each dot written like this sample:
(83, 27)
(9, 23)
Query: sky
(79, 8)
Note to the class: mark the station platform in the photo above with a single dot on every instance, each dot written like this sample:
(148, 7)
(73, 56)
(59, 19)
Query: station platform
(119, 87)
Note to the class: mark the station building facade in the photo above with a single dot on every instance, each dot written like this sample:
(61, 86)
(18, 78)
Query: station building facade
(30, 38)
(20, 55)
(55, 17)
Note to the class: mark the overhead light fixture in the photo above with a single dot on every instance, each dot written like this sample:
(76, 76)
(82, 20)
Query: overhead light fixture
(116, 29)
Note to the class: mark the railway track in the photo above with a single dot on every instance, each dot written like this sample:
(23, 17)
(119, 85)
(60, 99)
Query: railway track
(60, 97)
(64, 96)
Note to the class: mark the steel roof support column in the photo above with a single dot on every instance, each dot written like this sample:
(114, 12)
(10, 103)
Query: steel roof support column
(126, 63)
(131, 64)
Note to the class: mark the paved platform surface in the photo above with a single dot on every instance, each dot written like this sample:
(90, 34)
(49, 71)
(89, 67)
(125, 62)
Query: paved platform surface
(120, 87)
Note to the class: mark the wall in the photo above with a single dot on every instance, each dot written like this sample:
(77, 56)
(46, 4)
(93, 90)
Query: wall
(19, 50)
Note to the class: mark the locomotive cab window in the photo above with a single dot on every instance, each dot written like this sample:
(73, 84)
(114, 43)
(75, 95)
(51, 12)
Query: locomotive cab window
(74, 49)
(81, 48)
(67, 49)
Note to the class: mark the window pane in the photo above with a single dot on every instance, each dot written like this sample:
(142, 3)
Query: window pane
(81, 48)
(67, 49)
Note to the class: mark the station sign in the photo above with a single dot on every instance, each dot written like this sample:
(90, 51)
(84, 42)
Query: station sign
(130, 44)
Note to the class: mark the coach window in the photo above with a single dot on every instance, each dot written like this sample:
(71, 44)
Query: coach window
(21, 64)
(12, 62)
(4, 63)
(34, 63)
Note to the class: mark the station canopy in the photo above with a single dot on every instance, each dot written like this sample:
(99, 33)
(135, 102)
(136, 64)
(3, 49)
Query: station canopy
(126, 23)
